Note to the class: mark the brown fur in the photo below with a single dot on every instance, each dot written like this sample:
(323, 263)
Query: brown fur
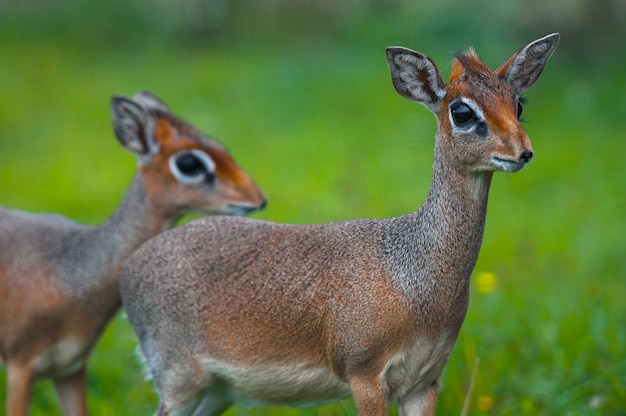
(232, 309)
(59, 279)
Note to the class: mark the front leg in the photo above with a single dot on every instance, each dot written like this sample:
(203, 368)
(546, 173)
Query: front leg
(72, 394)
(420, 402)
(20, 381)
(369, 395)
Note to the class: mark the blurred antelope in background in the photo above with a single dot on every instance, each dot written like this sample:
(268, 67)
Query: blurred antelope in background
(232, 310)
(59, 279)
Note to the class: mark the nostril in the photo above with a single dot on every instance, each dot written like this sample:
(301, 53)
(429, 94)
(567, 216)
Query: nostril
(526, 156)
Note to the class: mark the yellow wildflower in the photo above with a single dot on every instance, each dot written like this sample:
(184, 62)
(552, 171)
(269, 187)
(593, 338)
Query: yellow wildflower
(485, 403)
(486, 282)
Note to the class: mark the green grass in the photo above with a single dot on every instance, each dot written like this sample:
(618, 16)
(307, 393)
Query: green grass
(316, 121)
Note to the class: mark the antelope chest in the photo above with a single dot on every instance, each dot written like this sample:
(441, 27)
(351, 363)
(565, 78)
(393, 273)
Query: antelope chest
(419, 365)
(63, 358)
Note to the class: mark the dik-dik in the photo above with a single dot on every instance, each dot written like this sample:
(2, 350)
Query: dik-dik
(59, 280)
(233, 310)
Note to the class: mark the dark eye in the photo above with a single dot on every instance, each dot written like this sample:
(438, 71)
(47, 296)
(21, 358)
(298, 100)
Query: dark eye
(520, 108)
(188, 164)
(193, 167)
(461, 114)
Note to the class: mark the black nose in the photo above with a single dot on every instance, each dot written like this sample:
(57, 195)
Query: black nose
(526, 157)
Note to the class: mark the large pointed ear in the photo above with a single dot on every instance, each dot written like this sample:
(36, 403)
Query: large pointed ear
(134, 127)
(523, 68)
(149, 100)
(416, 77)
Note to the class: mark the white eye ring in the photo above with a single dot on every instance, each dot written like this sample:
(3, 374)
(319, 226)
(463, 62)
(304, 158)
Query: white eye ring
(205, 171)
(479, 116)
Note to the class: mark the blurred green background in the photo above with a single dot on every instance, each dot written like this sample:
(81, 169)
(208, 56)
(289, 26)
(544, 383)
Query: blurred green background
(300, 93)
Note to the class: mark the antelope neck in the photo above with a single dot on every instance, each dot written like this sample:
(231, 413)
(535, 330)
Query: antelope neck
(134, 221)
(101, 250)
(434, 249)
(457, 194)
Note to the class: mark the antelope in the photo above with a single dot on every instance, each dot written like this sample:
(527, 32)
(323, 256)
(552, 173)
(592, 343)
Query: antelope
(59, 280)
(235, 310)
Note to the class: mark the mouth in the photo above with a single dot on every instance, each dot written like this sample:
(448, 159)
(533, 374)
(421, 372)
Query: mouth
(242, 209)
(507, 165)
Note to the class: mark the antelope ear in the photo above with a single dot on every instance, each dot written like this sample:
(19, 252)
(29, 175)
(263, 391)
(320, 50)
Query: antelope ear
(134, 127)
(151, 101)
(416, 77)
(523, 68)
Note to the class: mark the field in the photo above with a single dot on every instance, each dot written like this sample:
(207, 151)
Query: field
(308, 109)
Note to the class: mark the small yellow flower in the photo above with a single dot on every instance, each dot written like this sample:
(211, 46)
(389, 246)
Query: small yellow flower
(485, 403)
(486, 282)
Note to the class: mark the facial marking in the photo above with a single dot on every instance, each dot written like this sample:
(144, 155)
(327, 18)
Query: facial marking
(479, 117)
(226, 167)
(192, 167)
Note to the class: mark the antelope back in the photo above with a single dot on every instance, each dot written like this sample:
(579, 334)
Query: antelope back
(184, 169)
(478, 111)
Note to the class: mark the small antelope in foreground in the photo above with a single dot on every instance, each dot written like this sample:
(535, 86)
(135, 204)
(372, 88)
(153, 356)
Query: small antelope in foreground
(233, 310)
(59, 280)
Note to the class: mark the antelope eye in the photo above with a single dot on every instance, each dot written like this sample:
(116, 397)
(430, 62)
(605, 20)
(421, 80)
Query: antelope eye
(193, 167)
(461, 114)
(189, 164)
(520, 108)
